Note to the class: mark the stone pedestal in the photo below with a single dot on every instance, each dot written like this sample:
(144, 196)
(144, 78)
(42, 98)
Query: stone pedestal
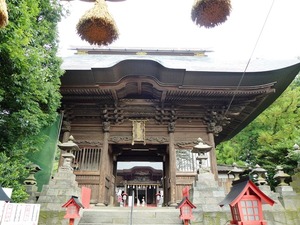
(59, 190)
(285, 190)
(32, 190)
(296, 182)
(274, 196)
(206, 194)
(288, 197)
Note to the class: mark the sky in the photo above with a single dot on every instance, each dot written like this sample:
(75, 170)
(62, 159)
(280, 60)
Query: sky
(255, 28)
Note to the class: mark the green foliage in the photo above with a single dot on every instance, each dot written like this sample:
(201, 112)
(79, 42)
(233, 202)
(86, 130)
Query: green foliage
(56, 161)
(11, 174)
(29, 84)
(269, 139)
(228, 153)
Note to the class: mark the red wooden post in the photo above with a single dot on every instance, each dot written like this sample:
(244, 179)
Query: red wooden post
(86, 197)
(71, 221)
(186, 191)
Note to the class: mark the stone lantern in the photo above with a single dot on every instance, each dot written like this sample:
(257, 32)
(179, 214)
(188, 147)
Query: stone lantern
(236, 172)
(63, 184)
(33, 169)
(68, 147)
(261, 175)
(201, 149)
(280, 176)
(296, 155)
(30, 183)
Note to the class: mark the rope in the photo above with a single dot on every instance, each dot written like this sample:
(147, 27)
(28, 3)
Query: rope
(250, 58)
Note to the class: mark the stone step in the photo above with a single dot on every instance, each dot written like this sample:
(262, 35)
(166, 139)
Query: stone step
(133, 223)
(122, 216)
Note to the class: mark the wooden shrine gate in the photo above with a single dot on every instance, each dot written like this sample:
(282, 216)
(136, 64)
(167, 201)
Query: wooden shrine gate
(115, 101)
(87, 169)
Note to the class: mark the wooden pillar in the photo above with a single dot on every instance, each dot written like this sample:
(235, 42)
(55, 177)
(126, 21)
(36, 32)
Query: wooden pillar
(213, 155)
(112, 177)
(104, 159)
(172, 165)
(66, 129)
(165, 181)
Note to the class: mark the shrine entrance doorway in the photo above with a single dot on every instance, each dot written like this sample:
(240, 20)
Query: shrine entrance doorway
(145, 195)
(142, 170)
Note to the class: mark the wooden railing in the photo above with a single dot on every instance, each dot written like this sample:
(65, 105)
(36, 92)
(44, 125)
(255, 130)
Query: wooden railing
(88, 159)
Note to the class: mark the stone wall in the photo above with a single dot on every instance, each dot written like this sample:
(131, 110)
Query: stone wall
(206, 194)
(287, 217)
(296, 182)
(52, 217)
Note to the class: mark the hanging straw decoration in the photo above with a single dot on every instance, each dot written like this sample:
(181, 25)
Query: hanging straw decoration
(97, 26)
(210, 13)
(3, 14)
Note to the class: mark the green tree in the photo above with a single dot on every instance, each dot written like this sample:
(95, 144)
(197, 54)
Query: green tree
(29, 84)
(229, 153)
(268, 139)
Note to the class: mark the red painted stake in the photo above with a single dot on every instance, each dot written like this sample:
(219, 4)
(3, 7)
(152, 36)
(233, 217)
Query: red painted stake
(71, 221)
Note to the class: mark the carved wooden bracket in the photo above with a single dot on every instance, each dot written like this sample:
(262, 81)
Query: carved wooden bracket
(185, 144)
(163, 114)
(128, 139)
(216, 120)
(112, 114)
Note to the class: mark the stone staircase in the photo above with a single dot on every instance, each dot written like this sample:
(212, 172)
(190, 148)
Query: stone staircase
(122, 216)
(206, 194)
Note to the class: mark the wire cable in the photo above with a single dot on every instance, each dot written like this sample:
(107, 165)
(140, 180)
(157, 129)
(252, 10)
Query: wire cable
(250, 58)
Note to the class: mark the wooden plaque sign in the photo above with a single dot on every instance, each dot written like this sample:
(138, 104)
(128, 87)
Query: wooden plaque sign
(138, 131)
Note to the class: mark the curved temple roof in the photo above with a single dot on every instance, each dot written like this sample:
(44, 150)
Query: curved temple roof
(182, 78)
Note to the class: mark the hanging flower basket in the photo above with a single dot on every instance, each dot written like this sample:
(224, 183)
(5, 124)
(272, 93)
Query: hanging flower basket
(97, 26)
(210, 13)
(3, 14)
